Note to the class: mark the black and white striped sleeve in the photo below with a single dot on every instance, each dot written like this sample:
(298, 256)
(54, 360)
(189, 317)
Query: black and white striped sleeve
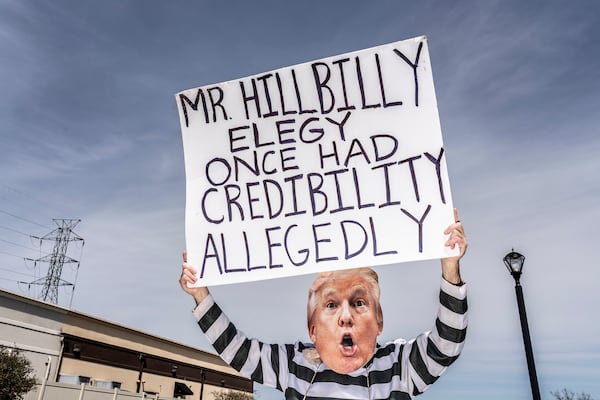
(255, 360)
(428, 356)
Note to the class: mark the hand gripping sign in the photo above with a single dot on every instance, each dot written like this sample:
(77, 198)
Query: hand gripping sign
(331, 164)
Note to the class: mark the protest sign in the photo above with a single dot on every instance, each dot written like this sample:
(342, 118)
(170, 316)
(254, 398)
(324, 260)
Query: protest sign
(331, 164)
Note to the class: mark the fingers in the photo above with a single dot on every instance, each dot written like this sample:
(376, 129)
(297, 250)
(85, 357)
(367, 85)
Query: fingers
(457, 226)
(456, 237)
(188, 280)
(457, 234)
(188, 272)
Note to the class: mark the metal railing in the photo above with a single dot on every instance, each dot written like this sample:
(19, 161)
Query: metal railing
(65, 391)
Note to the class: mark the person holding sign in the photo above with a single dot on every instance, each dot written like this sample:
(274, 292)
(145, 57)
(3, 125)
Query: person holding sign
(344, 320)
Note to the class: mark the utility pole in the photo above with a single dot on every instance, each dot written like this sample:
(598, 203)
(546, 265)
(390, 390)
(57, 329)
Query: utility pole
(61, 237)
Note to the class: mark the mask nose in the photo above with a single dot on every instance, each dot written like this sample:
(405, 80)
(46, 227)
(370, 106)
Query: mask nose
(345, 318)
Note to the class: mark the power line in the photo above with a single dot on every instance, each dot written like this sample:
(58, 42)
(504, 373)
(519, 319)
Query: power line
(17, 272)
(11, 280)
(23, 219)
(12, 255)
(13, 230)
(30, 196)
(18, 245)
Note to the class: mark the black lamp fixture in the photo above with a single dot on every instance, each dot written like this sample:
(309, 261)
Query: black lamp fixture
(77, 350)
(140, 382)
(514, 263)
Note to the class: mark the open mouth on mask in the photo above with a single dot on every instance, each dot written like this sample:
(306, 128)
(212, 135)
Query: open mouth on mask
(347, 341)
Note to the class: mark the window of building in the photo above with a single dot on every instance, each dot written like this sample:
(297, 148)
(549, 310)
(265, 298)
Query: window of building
(182, 390)
(104, 384)
(74, 379)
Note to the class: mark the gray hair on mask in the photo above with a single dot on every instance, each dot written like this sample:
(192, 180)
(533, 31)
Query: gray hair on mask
(368, 274)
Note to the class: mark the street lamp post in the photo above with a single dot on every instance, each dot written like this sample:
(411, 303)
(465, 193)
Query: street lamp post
(140, 382)
(514, 262)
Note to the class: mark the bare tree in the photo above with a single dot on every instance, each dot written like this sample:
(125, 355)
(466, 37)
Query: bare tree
(231, 395)
(566, 394)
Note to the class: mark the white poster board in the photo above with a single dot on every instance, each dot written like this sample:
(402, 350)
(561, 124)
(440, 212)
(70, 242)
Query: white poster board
(331, 164)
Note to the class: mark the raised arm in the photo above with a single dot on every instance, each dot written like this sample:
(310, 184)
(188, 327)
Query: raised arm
(188, 275)
(252, 358)
(428, 356)
(451, 265)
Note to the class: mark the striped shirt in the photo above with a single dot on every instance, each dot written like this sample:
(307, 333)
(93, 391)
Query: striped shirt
(398, 370)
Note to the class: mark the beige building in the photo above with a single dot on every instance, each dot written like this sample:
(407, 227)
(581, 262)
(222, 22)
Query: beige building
(73, 351)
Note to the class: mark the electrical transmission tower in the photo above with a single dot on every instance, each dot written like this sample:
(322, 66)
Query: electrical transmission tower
(61, 237)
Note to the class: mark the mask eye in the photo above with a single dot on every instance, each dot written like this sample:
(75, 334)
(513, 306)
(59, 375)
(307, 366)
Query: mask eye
(360, 303)
(330, 305)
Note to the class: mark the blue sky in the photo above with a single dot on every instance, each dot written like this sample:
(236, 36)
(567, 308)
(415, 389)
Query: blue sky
(90, 130)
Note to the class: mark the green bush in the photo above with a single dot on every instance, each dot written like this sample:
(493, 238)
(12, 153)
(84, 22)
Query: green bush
(16, 374)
